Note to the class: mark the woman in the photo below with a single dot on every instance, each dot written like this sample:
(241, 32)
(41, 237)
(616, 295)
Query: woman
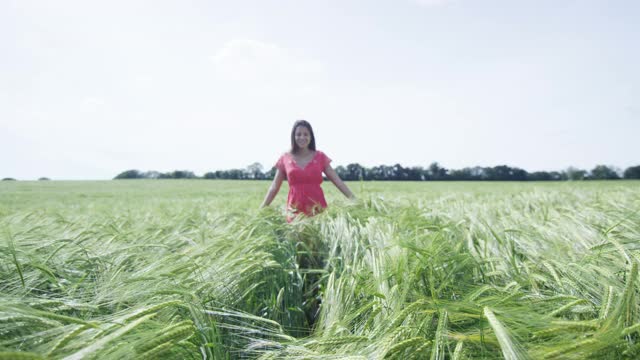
(303, 166)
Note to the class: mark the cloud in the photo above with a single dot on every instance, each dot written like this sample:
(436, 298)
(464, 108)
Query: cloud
(93, 101)
(432, 3)
(262, 63)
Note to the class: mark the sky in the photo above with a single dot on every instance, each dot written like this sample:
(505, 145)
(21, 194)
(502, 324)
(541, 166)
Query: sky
(89, 89)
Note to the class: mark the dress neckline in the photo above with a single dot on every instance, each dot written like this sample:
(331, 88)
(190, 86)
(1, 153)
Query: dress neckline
(305, 165)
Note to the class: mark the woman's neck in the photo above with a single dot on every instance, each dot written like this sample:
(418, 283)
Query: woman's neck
(303, 152)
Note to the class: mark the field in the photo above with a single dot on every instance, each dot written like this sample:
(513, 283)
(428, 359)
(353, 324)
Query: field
(193, 269)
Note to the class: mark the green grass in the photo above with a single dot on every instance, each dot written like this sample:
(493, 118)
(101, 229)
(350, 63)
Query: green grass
(178, 269)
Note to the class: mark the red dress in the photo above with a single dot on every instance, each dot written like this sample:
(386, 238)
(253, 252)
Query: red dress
(305, 193)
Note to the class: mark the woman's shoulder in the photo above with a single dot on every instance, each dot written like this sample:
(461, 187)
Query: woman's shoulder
(321, 153)
(322, 158)
(282, 160)
(284, 154)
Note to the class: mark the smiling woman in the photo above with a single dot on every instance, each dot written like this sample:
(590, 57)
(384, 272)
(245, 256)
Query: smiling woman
(303, 166)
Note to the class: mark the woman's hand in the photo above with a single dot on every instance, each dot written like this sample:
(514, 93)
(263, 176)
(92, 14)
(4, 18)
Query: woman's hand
(335, 179)
(274, 188)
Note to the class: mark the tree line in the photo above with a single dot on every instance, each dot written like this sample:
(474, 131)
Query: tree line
(398, 172)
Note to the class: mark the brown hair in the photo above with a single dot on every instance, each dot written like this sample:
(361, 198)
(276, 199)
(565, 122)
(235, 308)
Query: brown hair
(312, 143)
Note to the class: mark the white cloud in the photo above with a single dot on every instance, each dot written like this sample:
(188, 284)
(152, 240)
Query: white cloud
(432, 3)
(264, 64)
(93, 101)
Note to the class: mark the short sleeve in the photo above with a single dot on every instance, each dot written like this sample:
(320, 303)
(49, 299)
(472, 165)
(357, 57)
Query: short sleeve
(324, 160)
(280, 163)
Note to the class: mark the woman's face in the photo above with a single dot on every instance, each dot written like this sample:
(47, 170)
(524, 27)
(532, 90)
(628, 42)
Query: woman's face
(302, 137)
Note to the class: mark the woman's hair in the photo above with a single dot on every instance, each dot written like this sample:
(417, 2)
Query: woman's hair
(312, 143)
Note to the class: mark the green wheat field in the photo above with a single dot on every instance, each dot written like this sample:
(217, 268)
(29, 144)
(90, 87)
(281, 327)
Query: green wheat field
(171, 269)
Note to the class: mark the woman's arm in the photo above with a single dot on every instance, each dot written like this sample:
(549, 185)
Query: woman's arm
(335, 179)
(274, 188)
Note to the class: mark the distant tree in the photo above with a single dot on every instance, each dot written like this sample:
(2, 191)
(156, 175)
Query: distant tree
(341, 171)
(182, 174)
(381, 172)
(389, 172)
(354, 172)
(556, 176)
(377, 173)
(129, 174)
(437, 172)
(255, 171)
(43, 179)
(367, 173)
(505, 173)
(271, 173)
(239, 174)
(540, 176)
(8, 179)
(399, 173)
(518, 174)
(494, 173)
(151, 174)
(603, 172)
(478, 173)
(233, 174)
(575, 174)
(417, 173)
(632, 172)
(461, 174)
